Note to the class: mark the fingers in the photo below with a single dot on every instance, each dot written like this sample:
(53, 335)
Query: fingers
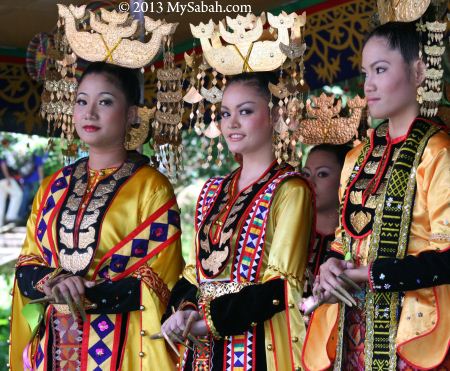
(192, 317)
(177, 323)
(56, 293)
(80, 307)
(181, 340)
(341, 297)
(69, 302)
(71, 291)
(90, 284)
(47, 290)
(199, 327)
(349, 282)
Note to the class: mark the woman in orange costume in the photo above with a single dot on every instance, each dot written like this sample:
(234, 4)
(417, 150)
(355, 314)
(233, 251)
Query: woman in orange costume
(395, 192)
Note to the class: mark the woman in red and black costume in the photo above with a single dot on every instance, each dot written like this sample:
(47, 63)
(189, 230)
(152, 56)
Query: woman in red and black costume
(253, 226)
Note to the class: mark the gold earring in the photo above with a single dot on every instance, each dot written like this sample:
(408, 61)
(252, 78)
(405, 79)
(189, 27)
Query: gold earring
(419, 95)
(137, 134)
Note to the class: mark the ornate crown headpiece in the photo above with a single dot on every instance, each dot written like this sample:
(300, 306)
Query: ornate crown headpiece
(243, 44)
(111, 37)
(430, 94)
(325, 125)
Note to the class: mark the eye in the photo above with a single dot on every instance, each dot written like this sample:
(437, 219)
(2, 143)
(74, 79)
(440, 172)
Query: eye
(322, 174)
(225, 114)
(80, 102)
(245, 112)
(306, 173)
(379, 70)
(105, 102)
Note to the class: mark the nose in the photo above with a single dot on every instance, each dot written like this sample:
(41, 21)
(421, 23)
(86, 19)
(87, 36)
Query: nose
(369, 85)
(233, 122)
(312, 180)
(91, 112)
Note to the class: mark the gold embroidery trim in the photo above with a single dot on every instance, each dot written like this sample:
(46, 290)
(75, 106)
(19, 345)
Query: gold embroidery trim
(371, 167)
(213, 290)
(402, 245)
(207, 315)
(359, 220)
(284, 274)
(154, 282)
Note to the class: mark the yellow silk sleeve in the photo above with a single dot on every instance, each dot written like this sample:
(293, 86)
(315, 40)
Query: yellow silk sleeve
(189, 270)
(287, 240)
(433, 193)
(168, 264)
(288, 231)
(424, 342)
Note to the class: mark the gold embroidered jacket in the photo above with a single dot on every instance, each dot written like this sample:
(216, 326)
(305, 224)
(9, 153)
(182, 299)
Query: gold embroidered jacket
(129, 236)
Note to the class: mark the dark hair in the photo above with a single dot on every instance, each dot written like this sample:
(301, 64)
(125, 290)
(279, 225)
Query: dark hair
(401, 36)
(338, 150)
(258, 80)
(126, 79)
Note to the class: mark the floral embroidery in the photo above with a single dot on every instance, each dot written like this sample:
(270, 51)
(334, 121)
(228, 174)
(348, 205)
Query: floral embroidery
(99, 351)
(103, 326)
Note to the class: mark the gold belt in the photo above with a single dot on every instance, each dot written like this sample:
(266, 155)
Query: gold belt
(212, 290)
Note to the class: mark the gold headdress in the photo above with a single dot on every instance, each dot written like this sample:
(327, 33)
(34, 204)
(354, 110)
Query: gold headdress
(243, 44)
(430, 94)
(325, 125)
(110, 37)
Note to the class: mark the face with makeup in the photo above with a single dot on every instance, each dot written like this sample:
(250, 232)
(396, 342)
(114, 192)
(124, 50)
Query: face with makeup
(323, 171)
(245, 122)
(390, 83)
(101, 112)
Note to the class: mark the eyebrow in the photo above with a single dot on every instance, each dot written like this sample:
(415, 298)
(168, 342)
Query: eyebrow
(377, 61)
(103, 92)
(241, 104)
(320, 167)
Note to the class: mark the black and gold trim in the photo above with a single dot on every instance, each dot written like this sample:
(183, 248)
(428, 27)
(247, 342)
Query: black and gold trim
(390, 235)
(77, 242)
(215, 232)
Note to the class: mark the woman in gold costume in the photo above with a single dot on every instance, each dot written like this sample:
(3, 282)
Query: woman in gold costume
(244, 277)
(394, 192)
(102, 247)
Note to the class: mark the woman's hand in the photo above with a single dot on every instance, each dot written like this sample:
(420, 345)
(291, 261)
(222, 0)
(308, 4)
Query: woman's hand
(322, 296)
(70, 290)
(177, 324)
(330, 272)
(358, 275)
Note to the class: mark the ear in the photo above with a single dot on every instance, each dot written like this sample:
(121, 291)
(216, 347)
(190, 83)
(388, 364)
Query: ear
(419, 72)
(132, 115)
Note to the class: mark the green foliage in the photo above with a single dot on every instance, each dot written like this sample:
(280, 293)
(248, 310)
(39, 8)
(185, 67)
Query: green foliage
(6, 282)
(4, 336)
